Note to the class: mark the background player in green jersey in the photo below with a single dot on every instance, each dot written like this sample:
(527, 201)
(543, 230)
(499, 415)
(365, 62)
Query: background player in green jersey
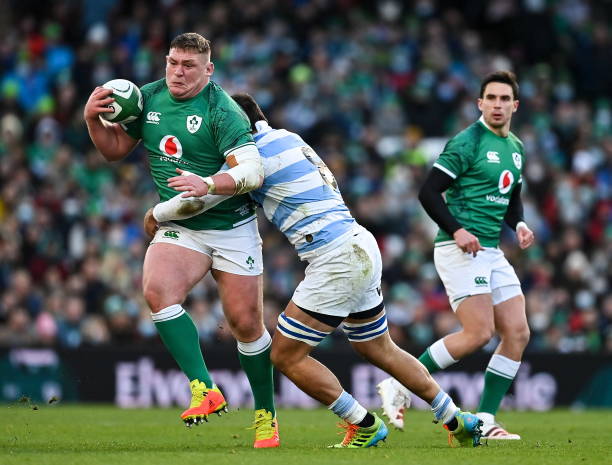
(189, 122)
(480, 171)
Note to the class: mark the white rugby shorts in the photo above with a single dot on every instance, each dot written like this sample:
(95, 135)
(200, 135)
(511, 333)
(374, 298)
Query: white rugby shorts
(236, 251)
(464, 275)
(345, 278)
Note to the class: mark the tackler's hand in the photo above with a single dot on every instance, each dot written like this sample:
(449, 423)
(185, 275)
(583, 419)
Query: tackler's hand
(150, 224)
(190, 184)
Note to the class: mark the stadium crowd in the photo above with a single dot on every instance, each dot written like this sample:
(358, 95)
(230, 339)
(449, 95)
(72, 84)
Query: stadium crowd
(375, 87)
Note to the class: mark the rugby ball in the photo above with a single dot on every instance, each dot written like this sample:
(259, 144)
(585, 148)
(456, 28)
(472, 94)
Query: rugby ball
(128, 101)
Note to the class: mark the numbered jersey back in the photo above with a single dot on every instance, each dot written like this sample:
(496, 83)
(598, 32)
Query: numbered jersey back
(300, 194)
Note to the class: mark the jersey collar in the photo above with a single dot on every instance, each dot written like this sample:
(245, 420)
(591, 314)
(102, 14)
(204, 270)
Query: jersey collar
(482, 120)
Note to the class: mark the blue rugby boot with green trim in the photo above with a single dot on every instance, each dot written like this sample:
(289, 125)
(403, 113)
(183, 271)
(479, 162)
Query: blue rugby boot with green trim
(468, 431)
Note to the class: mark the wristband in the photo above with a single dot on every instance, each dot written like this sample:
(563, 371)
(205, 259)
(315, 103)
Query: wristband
(211, 184)
(521, 224)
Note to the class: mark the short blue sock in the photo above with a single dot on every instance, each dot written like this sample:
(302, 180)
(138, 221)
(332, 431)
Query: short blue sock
(443, 407)
(343, 404)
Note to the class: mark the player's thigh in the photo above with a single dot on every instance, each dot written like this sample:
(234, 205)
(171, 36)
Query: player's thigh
(170, 271)
(511, 318)
(242, 300)
(462, 274)
(475, 313)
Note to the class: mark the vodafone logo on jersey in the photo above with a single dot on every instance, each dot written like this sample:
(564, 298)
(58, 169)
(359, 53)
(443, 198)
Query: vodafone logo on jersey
(506, 179)
(171, 146)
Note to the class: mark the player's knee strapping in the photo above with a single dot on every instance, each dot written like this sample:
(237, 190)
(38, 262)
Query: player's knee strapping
(292, 328)
(361, 332)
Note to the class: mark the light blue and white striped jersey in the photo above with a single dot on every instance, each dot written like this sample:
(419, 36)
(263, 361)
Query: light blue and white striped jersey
(299, 194)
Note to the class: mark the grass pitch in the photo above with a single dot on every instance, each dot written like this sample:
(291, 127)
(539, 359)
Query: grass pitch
(93, 434)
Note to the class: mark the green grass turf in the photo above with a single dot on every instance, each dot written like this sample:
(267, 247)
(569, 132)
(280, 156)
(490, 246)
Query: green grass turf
(93, 434)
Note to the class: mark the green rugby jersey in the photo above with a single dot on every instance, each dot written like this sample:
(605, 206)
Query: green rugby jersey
(194, 135)
(486, 168)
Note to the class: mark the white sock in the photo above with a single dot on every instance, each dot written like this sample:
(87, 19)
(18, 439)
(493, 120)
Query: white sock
(256, 347)
(168, 313)
(443, 407)
(347, 408)
(503, 366)
(440, 354)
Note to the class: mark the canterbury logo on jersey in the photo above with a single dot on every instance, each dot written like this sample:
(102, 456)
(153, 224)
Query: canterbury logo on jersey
(153, 117)
(480, 281)
(243, 210)
(171, 146)
(506, 179)
(493, 157)
(172, 234)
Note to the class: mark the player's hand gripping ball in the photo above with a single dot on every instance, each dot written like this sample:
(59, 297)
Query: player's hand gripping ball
(128, 101)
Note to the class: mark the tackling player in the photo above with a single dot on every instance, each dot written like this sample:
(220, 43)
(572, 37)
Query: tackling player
(342, 286)
(189, 122)
(480, 170)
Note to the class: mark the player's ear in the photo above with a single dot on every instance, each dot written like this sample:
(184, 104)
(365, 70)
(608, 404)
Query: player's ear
(479, 104)
(515, 106)
(209, 68)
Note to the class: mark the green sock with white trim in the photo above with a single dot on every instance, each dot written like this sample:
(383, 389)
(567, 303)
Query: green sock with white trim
(180, 336)
(436, 357)
(500, 373)
(255, 361)
(429, 362)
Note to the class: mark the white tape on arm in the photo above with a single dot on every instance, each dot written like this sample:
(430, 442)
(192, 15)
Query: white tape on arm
(247, 170)
(179, 208)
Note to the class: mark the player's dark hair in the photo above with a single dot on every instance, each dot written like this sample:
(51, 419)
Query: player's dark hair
(191, 41)
(505, 77)
(250, 107)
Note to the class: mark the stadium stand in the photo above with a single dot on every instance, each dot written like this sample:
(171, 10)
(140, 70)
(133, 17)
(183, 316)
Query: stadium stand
(374, 87)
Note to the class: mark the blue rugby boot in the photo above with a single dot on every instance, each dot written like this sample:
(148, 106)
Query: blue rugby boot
(468, 431)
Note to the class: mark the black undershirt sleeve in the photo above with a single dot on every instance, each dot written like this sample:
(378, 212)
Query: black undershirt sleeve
(430, 196)
(514, 214)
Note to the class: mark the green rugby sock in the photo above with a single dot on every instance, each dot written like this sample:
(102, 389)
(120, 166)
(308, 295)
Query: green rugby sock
(180, 336)
(437, 357)
(498, 378)
(429, 362)
(255, 361)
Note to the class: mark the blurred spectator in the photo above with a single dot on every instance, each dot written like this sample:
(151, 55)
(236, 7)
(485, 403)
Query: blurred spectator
(69, 325)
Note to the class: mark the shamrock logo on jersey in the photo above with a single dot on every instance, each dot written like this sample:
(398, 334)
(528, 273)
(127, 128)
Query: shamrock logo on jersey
(193, 123)
(518, 161)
